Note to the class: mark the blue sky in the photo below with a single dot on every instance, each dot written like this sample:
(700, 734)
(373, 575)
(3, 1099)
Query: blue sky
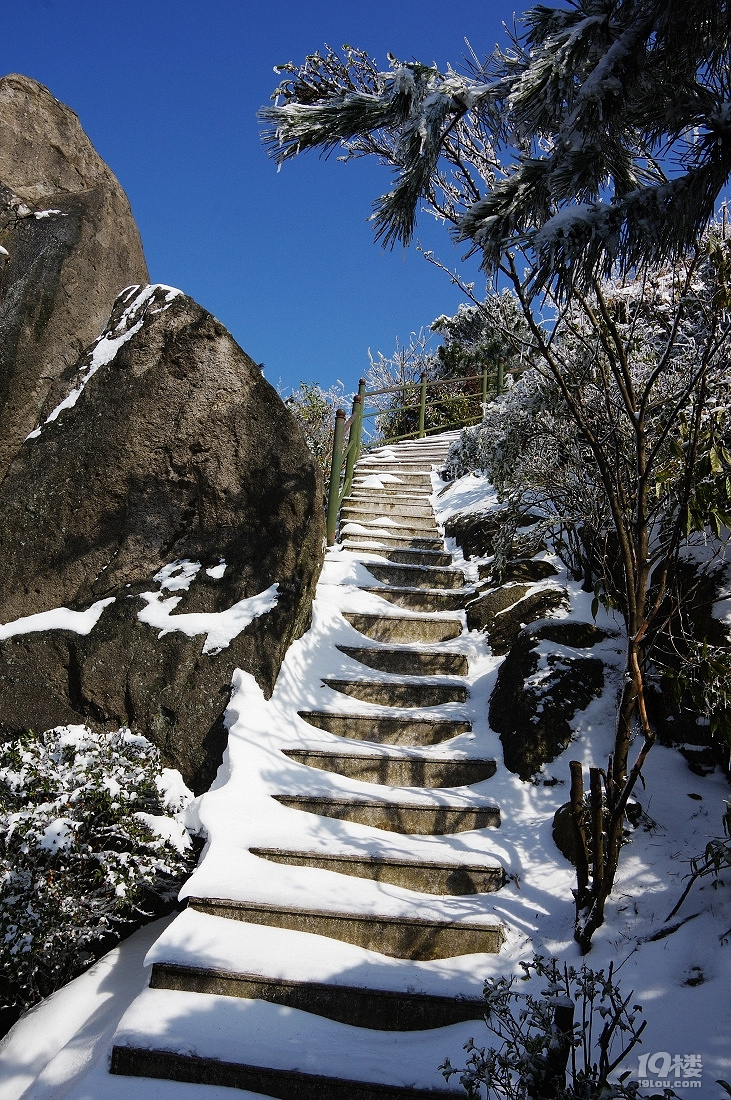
(168, 92)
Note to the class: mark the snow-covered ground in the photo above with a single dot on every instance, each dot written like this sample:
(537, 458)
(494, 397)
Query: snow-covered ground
(682, 979)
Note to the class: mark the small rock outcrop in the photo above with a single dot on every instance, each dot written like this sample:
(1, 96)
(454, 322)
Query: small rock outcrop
(503, 612)
(72, 246)
(540, 686)
(478, 533)
(166, 492)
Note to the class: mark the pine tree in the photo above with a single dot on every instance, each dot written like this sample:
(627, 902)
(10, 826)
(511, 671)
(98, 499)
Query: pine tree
(598, 140)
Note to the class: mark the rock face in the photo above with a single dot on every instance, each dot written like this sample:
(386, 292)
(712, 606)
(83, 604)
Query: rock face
(540, 686)
(172, 471)
(73, 246)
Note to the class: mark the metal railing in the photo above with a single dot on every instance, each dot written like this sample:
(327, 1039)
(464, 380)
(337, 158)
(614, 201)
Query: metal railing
(348, 434)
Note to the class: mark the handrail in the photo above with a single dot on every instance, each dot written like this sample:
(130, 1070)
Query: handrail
(345, 454)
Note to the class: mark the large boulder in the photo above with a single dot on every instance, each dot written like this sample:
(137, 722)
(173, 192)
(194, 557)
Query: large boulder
(542, 682)
(172, 471)
(73, 246)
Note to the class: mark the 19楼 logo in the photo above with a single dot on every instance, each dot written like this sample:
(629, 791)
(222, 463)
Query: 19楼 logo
(663, 1070)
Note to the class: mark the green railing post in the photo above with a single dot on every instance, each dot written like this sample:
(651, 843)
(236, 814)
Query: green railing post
(484, 385)
(422, 406)
(356, 427)
(335, 469)
(500, 375)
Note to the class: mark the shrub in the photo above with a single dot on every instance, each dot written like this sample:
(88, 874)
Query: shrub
(545, 1050)
(88, 848)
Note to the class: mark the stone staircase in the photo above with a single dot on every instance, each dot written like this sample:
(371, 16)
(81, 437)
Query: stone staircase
(275, 974)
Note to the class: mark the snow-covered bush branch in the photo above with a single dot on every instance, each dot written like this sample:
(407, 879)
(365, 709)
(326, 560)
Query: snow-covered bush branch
(91, 841)
(566, 1043)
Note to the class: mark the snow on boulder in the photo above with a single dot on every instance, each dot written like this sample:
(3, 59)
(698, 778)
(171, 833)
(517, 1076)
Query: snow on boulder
(159, 528)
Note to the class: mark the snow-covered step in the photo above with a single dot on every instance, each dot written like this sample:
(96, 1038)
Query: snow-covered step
(408, 661)
(412, 770)
(400, 522)
(393, 475)
(410, 557)
(400, 693)
(387, 538)
(397, 815)
(423, 876)
(273, 1050)
(399, 936)
(401, 506)
(423, 599)
(376, 1009)
(416, 576)
(387, 729)
(405, 629)
(367, 489)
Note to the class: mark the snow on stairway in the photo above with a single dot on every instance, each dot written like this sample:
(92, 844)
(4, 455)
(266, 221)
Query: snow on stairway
(342, 905)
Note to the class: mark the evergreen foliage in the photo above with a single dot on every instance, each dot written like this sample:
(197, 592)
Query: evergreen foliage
(88, 847)
(598, 140)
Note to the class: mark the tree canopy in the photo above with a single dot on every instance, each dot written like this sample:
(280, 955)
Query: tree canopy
(597, 140)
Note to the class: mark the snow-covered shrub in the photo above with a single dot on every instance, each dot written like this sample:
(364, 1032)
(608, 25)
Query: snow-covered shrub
(89, 845)
(530, 449)
(565, 1043)
(314, 409)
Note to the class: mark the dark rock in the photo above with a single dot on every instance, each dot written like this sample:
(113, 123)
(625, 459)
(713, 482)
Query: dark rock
(563, 832)
(503, 612)
(476, 532)
(690, 628)
(539, 689)
(563, 828)
(528, 570)
(65, 267)
(177, 449)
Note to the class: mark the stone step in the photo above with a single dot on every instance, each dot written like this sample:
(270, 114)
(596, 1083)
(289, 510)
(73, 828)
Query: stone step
(388, 693)
(426, 876)
(388, 506)
(398, 771)
(397, 817)
(397, 628)
(415, 938)
(419, 557)
(387, 729)
(398, 522)
(422, 599)
(424, 456)
(376, 1009)
(132, 1061)
(381, 538)
(415, 576)
(405, 476)
(418, 495)
(409, 661)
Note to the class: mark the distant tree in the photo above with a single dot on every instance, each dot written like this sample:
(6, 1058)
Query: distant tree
(314, 409)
